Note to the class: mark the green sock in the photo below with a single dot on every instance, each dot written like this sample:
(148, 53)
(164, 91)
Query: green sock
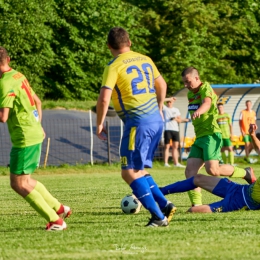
(231, 157)
(195, 197)
(238, 173)
(35, 199)
(52, 202)
(224, 157)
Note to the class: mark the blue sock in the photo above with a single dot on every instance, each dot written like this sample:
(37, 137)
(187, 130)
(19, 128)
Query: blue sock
(180, 186)
(157, 194)
(142, 191)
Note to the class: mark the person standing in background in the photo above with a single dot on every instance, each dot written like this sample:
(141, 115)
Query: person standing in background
(224, 122)
(247, 117)
(172, 118)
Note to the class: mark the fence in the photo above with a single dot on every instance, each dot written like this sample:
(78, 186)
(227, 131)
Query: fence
(73, 139)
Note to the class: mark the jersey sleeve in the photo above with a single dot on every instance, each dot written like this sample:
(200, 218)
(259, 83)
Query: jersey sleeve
(109, 77)
(7, 96)
(207, 91)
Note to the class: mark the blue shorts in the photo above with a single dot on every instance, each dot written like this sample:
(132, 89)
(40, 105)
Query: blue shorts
(232, 194)
(139, 144)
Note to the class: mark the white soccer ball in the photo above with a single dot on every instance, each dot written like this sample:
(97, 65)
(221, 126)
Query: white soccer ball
(130, 204)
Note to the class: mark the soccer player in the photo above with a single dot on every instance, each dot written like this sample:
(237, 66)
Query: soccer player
(21, 109)
(224, 122)
(172, 118)
(206, 148)
(247, 117)
(138, 91)
(235, 196)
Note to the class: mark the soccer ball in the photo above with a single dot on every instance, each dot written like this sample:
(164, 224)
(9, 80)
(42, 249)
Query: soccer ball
(130, 204)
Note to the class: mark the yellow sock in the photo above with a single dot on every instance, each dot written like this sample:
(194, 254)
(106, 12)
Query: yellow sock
(35, 199)
(224, 157)
(238, 173)
(52, 202)
(195, 197)
(231, 157)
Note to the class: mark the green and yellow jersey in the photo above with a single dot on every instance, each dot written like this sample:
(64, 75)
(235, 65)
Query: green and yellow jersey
(23, 121)
(206, 124)
(224, 122)
(131, 77)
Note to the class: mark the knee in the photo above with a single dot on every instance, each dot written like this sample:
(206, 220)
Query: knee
(214, 171)
(197, 179)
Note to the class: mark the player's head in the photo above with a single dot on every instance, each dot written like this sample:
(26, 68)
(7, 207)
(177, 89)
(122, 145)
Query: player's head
(248, 104)
(191, 78)
(220, 108)
(170, 102)
(4, 57)
(118, 38)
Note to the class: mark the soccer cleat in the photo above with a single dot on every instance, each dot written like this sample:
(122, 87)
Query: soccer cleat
(250, 176)
(169, 211)
(167, 165)
(251, 160)
(64, 212)
(58, 225)
(156, 222)
(180, 165)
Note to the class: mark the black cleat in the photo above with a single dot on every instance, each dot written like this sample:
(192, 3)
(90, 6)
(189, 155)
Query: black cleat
(250, 176)
(169, 211)
(156, 222)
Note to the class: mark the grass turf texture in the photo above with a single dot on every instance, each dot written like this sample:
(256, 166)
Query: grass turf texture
(98, 229)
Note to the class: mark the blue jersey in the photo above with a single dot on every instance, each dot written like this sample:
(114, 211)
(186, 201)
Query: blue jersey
(131, 77)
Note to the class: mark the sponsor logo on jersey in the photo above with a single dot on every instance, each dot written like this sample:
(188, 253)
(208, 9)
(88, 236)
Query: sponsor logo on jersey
(193, 107)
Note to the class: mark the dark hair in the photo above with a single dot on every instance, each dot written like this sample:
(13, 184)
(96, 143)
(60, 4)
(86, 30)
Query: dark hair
(248, 101)
(190, 70)
(258, 136)
(118, 38)
(3, 54)
(220, 104)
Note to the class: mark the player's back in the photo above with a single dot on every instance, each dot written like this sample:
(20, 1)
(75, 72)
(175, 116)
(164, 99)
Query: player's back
(23, 120)
(131, 76)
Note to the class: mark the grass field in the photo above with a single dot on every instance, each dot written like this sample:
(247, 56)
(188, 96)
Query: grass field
(98, 229)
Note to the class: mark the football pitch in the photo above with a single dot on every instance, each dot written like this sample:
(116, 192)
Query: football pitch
(98, 229)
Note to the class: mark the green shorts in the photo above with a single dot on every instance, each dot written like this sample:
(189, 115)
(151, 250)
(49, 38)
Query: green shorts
(207, 147)
(247, 138)
(226, 142)
(25, 160)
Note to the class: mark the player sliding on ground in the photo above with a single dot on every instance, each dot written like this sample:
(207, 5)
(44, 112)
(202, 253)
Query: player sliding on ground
(235, 196)
(21, 109)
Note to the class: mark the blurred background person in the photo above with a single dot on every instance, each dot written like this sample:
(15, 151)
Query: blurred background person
(224, 122)
(247, 117)
(172, 118)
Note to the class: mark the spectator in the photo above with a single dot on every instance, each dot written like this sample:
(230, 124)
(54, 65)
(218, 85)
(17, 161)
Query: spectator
(171, 131)
(247, 117)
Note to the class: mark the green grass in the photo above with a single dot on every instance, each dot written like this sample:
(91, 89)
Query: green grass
(98, 229)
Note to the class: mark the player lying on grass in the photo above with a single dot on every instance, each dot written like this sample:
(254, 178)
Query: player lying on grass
(235, 196)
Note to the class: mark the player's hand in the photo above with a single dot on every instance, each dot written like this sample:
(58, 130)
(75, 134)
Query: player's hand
(44, 134)
(195, 115)
(252, 128)
(101, 132)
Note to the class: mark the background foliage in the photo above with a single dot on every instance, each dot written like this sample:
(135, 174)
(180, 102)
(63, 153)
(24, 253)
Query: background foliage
(60, 45)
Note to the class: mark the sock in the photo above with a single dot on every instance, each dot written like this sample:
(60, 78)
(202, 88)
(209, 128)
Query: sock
(142, 191)
(224, 157)
(35, 199)
(231, 157)
(180, 186)
(52, 202)
(195, 197)
(157, 194)
(238, 173)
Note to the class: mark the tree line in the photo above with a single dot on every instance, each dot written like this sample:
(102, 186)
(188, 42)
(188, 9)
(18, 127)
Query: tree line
(60, 45)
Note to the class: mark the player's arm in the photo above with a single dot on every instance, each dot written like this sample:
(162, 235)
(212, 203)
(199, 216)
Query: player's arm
(241, 124)
(38, 105)
(102, 107)
(206, 104)
(255, 141)
(231, 130)
(4, 113)
(182, 120)
(160, 87)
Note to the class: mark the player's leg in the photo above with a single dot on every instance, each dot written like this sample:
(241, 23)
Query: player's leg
(23, 162)
(134, 148)
(167, 139)
(194, 163)
(231, 157)
(223, 154)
